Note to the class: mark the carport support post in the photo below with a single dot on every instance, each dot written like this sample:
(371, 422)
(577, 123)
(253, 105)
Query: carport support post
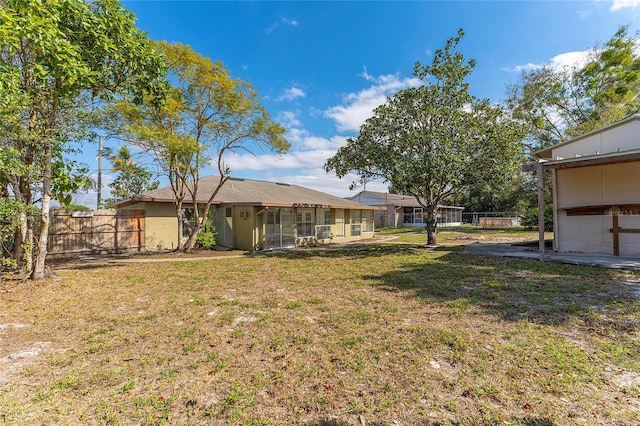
(540, 173)
(615, 211)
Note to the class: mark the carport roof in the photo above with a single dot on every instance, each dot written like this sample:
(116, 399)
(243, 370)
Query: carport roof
(594, 160)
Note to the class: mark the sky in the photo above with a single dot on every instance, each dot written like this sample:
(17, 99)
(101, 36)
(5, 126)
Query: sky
(321, 68)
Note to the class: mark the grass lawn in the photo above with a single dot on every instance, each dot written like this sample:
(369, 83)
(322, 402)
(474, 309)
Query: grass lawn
(460, 235)
(377, 334)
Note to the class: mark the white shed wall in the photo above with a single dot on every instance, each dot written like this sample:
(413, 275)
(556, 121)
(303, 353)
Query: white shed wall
(597, 185)
(614, 139)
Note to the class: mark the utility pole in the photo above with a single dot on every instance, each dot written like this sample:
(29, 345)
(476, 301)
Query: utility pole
(99, 172)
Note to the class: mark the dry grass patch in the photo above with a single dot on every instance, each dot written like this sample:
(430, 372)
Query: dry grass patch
(461, 235)
(375, 334)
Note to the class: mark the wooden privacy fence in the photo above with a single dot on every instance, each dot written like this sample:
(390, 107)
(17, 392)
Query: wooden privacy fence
(498, 222)
(96, 232)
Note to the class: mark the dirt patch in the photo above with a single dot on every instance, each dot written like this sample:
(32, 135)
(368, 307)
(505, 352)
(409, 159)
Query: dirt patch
(13, 363)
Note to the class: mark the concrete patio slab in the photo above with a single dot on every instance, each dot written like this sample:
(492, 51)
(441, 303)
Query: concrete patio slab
(588, 259)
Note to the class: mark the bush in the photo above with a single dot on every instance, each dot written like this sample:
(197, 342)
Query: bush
(10, 221)
(206, 239)
(529, 220)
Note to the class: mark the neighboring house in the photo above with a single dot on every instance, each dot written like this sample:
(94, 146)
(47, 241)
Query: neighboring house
(257, 215)
(596, 190)
(404, 210)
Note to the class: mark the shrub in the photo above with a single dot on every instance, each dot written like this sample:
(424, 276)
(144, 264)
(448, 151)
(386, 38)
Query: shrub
(529, 220)
(206, 239)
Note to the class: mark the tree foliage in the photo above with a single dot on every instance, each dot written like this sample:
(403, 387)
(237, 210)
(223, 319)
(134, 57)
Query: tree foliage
(132, 179)
(513, 195)
(559, 104)
(432, 140)
(208, 114)
(56, 58)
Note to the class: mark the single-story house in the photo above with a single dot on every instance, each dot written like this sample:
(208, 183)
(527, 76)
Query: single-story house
(257, 215)
(404, 210)
(596, 190)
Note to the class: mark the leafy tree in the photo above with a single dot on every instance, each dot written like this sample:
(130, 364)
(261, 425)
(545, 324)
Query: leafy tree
(514, 195)
(56, 58)
(557, 105)
(207, 115)
(132, 179)
(432, 140)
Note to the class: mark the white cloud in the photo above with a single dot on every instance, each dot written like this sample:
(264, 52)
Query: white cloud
(288, 118)
(561, 61)
(315, 142)
(624, 4)
(296, 135)
(283, 20)
(328, 183)
(290, 22)
(571, 59)
(583, 14)
(293, 160)
(526, 67)
(357, 107)
(291, 94)
(301, 139)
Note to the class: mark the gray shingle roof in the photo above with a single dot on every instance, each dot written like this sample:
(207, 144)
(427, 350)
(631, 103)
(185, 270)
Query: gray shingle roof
(250, 192)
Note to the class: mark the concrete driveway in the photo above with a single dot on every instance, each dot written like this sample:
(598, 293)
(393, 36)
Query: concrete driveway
(599, 260)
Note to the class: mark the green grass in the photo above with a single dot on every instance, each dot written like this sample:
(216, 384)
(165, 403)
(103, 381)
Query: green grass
(393, 334)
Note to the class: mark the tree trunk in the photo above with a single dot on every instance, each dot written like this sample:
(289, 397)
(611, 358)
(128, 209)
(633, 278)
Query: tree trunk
(430, 225)
(39, 270)
(202, 220)
(191, 241)
(23, 249)
(179, 215)
(19, 238)
(28, 253)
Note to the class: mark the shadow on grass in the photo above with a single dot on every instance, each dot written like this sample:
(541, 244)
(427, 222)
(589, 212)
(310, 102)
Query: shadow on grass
(528, 421)
(79, 265)
(512, 289)
(326, 422)
(351, 251)
(474, 229)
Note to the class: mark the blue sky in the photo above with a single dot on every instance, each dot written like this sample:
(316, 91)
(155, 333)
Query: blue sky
(321, 67)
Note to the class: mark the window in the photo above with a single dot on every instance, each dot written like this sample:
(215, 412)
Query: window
(304, 222)
(356, 223)
(209, 224)
(187, 213)
(368, 221)
(323, 232)
(339, 229)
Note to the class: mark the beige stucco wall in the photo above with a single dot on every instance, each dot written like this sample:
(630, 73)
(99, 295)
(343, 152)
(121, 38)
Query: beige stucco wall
(161, 226)
(591, 186)
(248, 229)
